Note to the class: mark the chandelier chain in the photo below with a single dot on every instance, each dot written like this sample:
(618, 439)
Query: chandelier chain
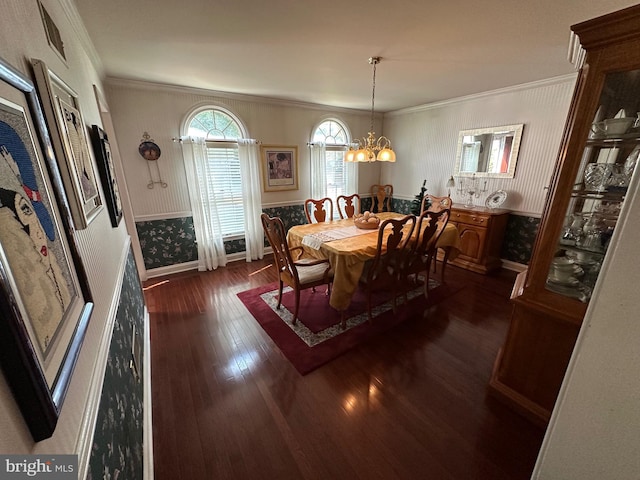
(374, 61)
(370, 149)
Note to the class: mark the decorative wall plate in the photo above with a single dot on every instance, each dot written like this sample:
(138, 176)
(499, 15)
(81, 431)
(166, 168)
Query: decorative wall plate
(149, 151)
(496, 199)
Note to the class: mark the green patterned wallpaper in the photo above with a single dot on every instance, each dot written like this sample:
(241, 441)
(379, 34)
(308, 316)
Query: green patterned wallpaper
(519, 238)
(117, 451)
(172, 241)
(167, 242)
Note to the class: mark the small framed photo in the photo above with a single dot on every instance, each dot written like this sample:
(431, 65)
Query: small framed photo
(70, 144)
(53, 33)
(102, 149)
(279, 168)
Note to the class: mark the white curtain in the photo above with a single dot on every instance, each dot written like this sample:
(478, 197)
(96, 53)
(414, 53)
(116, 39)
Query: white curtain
(351, 180)
(249, 156)
(318, 170)
(206, 223)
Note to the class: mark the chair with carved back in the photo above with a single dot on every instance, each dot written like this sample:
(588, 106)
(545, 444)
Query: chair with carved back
(348, 205)
(298, 273)
(381, 198)
(433, 203)
(383, 272)
(429, 227)
(318, 211)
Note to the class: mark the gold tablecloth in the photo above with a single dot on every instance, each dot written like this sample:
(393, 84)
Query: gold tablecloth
(348, 255)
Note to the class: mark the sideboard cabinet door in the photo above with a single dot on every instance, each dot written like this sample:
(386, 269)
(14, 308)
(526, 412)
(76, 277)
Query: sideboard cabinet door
(481, 233)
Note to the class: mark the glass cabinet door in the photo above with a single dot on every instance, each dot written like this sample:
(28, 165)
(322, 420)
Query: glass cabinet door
(608, 162)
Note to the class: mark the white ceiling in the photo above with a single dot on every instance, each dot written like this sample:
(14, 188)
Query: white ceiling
(317, 51)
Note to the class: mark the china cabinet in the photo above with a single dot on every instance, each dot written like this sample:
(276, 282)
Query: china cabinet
(596, 160)
(481, 232)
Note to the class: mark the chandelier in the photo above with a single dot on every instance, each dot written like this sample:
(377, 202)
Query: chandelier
(370, 149)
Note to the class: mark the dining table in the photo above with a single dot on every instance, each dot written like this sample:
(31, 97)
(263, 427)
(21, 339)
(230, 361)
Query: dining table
(348, 247)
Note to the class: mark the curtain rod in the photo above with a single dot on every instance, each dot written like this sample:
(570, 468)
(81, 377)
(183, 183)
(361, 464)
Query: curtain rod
(257, 142)
(311, 144)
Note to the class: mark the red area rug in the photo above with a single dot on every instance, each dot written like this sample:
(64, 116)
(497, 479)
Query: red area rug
(317, 337)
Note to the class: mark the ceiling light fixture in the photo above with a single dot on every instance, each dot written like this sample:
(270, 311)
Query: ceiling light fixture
(369, 149)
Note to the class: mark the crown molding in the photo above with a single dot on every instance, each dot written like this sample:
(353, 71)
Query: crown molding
(144, 85)
(571, 77)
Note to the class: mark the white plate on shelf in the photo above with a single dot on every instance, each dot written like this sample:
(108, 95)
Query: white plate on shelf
(496, 199)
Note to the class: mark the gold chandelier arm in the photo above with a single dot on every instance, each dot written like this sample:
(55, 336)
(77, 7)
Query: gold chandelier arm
(383, 142)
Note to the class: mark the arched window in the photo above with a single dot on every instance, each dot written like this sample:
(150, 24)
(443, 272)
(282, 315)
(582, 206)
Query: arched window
(339, 177)
(222, 130)
(331, 132)
(215, 124)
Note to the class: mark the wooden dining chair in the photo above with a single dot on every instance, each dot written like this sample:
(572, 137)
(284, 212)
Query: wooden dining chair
(316, 210)
(383, 272)
(348, 205)
(381, 198)
(298, 273)
(433, 203)
(429, 227)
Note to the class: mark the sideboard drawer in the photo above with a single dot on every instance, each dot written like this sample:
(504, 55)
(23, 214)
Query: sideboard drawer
(471, 218)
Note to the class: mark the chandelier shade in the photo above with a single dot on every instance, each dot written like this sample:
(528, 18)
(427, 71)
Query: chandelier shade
(370, 149)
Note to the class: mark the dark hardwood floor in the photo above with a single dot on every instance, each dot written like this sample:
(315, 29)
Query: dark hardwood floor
(409, 404)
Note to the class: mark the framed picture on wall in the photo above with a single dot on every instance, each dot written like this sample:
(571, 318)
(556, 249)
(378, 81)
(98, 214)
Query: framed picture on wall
(45, 302)
(102, 150)
(279, 167)
(69, 138)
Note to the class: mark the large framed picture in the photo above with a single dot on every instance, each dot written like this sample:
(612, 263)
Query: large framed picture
(69, 138)
(279, 167)
(107, 171)
(45, 302)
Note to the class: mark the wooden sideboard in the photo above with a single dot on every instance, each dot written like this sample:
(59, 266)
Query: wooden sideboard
(481, 233)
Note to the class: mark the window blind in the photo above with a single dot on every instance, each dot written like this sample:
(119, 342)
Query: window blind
(224, 185)
(335, 174)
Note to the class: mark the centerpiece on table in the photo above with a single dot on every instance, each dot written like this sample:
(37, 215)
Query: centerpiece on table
(366, 220)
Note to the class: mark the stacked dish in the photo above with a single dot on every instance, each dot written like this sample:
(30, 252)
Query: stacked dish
(564, 271)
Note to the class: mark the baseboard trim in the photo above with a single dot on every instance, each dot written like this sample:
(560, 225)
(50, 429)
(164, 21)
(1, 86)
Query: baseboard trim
(185, 267)
(514, 266)
(170, 269)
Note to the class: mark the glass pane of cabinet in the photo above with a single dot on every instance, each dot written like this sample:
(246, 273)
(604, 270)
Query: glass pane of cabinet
(608, 161)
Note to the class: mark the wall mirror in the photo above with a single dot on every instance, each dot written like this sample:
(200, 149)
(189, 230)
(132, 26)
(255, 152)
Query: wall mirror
(488, 152)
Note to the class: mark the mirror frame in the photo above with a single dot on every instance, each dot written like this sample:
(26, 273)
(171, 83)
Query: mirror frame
(513, 159)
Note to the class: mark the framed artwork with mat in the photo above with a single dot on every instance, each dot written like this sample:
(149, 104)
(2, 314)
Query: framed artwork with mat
(45, 302)
(70, 143)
